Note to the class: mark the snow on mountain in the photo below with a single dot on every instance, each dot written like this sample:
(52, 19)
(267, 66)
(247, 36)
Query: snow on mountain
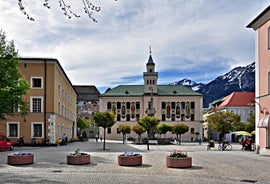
(238, 79)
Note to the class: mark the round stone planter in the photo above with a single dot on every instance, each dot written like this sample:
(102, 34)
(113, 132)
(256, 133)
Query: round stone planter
(78, 159)
(20, 159)
(180, 162)
(130, 160)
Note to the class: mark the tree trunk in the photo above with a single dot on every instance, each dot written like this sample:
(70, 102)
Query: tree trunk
(123, 138)
(104, 138)
(148, 141)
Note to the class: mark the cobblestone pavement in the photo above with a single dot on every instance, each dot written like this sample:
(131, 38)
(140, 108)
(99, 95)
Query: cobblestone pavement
(213, 166)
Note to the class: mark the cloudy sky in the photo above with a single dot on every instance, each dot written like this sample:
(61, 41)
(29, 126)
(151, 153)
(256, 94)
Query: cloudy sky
(195, 39)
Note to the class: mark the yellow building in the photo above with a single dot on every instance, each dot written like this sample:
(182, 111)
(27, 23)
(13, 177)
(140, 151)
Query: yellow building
(52, 104)
(170, 103)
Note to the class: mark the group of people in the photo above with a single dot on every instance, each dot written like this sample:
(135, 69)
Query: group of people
(63, 140)
(246, 144)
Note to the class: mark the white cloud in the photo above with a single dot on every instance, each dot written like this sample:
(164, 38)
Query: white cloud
(185, 36)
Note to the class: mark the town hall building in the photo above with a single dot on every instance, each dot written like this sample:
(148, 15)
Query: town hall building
(172, 104)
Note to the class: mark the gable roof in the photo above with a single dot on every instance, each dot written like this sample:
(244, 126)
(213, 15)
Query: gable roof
(263, 17)
(162, 90)
(238, 99)
(86, 93)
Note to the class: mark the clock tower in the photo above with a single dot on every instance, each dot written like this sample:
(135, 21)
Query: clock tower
(150, 76)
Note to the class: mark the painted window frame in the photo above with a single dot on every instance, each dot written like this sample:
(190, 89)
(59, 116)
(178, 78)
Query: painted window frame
(18, 129)
(32, 129)
(32, 82)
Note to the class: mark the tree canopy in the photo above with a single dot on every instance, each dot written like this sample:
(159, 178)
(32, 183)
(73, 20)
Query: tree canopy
(104, 120)
(12, 86)
(124, 129)
(222, 122)
(138, 129)
(164, 128)
(149, 123)
(83, 123)
(180, 129)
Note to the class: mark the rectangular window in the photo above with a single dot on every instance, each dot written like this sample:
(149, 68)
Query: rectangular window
(109, 105)
(163, 105)
(128, 105)
(36, 82)
(192, 105)
(182, 105)
(36, 104)
(37, 130)
(192, 117)
(118, 105)
(13, 130)
(109, 130)
(182, 117)
(173, 117)
(163, 117)
(128, 117)
(118, 117)
(138, 105)
(173, 105)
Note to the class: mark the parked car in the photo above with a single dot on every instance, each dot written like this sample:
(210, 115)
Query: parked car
(5, 143)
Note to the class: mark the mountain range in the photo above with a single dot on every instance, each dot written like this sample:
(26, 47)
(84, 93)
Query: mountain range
(238, 79)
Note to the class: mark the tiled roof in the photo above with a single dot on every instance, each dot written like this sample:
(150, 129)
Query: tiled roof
(237, 99)
(162, 90)
(87, 93)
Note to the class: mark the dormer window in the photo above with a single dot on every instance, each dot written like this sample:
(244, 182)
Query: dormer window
(126, 92)
(174, 92)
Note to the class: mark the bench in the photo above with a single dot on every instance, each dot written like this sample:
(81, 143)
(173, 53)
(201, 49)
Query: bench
(152, 141)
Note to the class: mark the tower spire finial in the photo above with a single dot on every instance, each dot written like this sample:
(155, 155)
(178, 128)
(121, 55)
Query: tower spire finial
(150, 50)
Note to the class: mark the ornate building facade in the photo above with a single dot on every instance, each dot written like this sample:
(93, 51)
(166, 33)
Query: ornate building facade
(172, 104)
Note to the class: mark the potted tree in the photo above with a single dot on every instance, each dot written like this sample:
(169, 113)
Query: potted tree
(130, 159)
(78, 158)
(178, 159)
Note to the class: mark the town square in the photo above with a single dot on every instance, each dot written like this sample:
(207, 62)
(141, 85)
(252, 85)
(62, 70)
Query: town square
(212, 166)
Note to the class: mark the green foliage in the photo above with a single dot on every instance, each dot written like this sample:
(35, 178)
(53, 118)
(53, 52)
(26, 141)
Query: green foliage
(222, 122)
(12, 85)
(164, 128)
(124, 129)
(83, 123)
(138, 129)
(180, 129)
(239, 126)
(104, 120)
(251, 125)
(148, 122)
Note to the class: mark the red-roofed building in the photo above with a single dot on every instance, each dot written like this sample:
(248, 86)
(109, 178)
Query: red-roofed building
(241, 103)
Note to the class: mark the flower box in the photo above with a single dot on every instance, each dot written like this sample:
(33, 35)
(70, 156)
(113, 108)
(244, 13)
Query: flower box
(81, 159)
(179, 162)
(20, 158)
(130, 159)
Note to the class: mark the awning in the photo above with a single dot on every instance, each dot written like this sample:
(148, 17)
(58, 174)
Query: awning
(264, 122)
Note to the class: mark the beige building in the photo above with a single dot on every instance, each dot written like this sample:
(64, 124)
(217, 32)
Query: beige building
(172, 104)
(52, 104)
